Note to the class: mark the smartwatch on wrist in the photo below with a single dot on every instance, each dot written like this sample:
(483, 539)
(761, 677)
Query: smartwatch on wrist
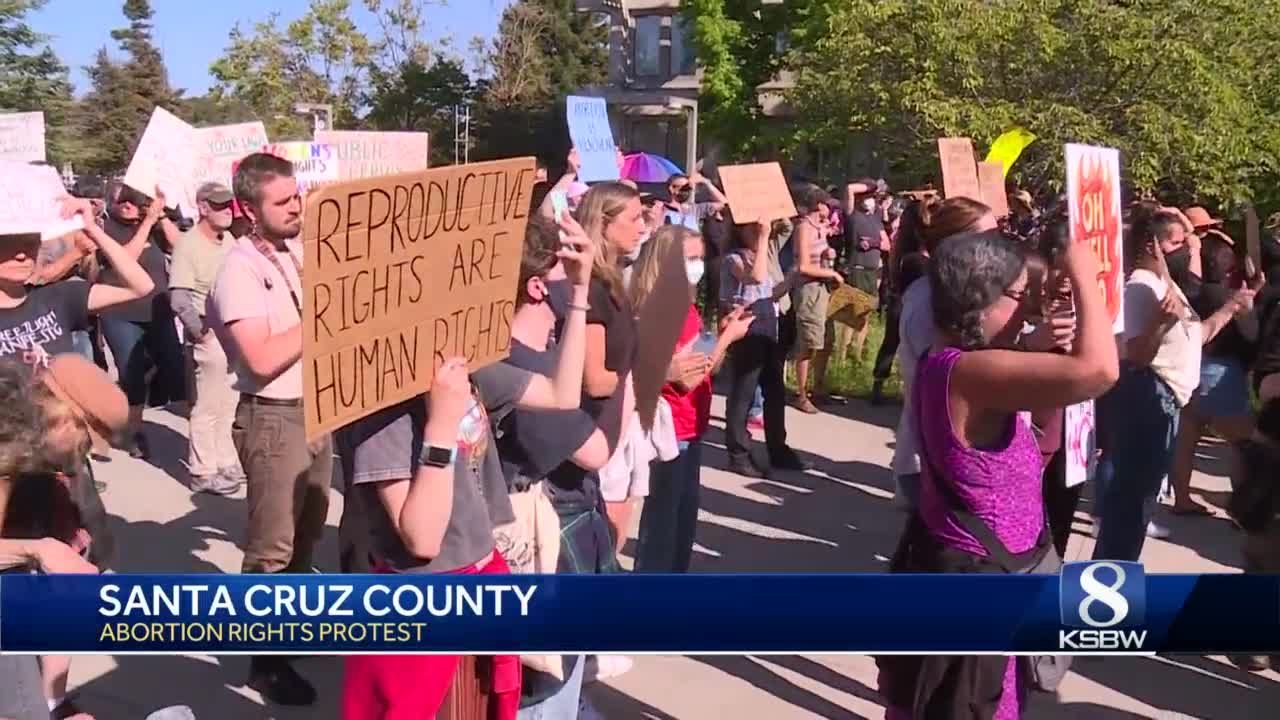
(436, 456)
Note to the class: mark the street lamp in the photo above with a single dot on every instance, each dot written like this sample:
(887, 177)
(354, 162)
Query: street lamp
(691, 145)
(321, 115)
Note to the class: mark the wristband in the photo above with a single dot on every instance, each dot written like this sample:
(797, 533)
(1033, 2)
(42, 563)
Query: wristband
(583, 308)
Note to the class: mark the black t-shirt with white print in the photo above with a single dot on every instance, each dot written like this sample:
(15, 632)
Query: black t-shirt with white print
(41, 326)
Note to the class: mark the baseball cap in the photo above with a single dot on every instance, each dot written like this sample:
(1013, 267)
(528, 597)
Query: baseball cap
(214, 192)
(80, 383)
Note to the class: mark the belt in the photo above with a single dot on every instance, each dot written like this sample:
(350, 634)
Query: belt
(269, 402)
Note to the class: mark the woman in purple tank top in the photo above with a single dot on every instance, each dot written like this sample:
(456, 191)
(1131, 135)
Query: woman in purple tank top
(981, 507)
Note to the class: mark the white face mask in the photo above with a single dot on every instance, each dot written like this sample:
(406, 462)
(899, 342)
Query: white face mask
(695, 269)
(869, 205)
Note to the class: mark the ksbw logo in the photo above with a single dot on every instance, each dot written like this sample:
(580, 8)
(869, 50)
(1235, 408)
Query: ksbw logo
(1104, 603)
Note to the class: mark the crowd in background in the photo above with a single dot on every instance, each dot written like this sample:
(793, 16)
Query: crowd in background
(538, 463)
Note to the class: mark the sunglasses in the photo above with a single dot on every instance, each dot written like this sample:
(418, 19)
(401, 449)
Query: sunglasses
(219, 207)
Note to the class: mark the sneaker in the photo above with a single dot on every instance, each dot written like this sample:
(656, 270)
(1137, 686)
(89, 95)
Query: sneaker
(278, 683)
(214, 484)
(806, 406)
(173, 712)
(787, 459)
(1159, 532)
(746, 468)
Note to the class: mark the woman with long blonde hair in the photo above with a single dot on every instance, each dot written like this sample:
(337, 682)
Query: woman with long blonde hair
(612, 215)
(670, 515)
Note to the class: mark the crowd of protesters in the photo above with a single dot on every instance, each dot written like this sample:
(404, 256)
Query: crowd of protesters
(539, 463)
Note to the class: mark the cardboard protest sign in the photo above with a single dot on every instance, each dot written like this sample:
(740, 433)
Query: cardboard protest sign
(1080, 442)
(1253, 238)
(29, 201)
(374, 154)
(757, 192)
(959, 171)
(403, 272)
(22, 137)
(991, 180)
(164, 159)
(593, 137)
(661, 320)
(218, 150)
(1094, 214)
(314, 164)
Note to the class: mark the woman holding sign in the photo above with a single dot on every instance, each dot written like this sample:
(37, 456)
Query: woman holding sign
(1161, 350)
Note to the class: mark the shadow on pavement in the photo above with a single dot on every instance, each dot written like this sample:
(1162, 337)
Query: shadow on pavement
(1186, 685)
(756, 674)
(168, 451)
(610, 703)
(211, 688)
(146, 546)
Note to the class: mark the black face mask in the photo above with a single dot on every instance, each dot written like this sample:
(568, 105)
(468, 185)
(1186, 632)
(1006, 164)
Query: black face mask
(559, 295)
(684, 196)
(1179, 262)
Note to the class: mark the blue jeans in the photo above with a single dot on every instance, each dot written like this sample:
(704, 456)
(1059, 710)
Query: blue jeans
(1137, 424)
(137, 347)
(669, 520)
(563, 704)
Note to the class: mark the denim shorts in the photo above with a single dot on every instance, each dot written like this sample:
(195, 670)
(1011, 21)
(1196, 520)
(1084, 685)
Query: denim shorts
(1224, 388)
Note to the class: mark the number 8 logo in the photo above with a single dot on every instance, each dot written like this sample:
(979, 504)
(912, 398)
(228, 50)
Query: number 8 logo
(1096, 592)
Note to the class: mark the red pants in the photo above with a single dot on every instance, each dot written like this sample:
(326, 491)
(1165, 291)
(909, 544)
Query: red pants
(413, 687)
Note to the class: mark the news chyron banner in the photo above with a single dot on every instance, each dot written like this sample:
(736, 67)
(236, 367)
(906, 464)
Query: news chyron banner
(1095, 607)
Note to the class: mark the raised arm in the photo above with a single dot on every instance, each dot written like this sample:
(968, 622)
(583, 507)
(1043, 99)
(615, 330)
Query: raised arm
(137, 283)
(1009, 380)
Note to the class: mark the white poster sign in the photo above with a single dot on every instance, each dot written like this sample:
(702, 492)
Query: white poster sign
(22, 137)
(314, 164)
(218, 150)
(367, 154)
(165, 160)
(29, 201)
(1095, 216)
(1080, 441)
(593, 137)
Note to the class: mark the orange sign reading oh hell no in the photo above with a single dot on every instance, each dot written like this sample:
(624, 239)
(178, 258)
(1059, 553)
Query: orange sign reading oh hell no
(1093, 195)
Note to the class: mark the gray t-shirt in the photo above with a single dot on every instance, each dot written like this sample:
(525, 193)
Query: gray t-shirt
(385, 447)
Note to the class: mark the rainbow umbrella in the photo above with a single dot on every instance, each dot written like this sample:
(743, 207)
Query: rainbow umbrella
(645, 168)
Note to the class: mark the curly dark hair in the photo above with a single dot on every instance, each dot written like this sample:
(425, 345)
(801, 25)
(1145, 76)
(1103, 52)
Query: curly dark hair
(969, 272)
(22, 421)
(1218, 259)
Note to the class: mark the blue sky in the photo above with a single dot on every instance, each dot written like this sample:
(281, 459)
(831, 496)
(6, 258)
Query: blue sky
(191, 34)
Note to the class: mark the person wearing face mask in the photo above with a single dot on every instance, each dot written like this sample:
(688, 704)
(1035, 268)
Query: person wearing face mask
(980, 506)
(682, 207)
(670, 514)
(1161, 353)
(211, 459)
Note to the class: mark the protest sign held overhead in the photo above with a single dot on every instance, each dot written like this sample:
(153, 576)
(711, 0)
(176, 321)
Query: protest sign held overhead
(403, 272)
(1252, 238)
(757, 192)
(314, 164)
(959, 171)
(218, 150)
(593, 138)
(991, 180)
(1094, 213)
(22, 137)
(374, 154)
(29, 201)
(164, 159)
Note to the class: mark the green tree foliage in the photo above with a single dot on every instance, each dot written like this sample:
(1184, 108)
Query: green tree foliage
(122, 95)
(420, 98)
(32, 77)
(1185, 89)
(322, 57)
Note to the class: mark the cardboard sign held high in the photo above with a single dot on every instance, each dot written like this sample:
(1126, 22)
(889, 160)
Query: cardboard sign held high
(402, 272)
(991, 180)
(757, 192)
(363, 154)
(959, 171)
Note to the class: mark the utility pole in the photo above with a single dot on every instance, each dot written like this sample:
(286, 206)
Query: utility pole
(461, 134)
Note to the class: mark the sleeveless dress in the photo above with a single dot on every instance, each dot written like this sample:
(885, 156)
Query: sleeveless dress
(1001, 485)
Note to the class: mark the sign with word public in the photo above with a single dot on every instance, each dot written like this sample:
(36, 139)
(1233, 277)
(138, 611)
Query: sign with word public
(1080, 442)
(959, 171)
(756, 192)
(991, 180)
(402, 272)
(374, 154)
(164, 159)
(1094, 214)
(593, 137)
(218, 150)
(29, 201)
(314, 164)
(22, 137)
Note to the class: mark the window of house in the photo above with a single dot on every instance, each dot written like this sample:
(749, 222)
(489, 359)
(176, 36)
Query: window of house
(648, 46)
(684, 59)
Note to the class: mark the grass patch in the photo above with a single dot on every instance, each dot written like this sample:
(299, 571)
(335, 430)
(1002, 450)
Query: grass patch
(853, 377)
